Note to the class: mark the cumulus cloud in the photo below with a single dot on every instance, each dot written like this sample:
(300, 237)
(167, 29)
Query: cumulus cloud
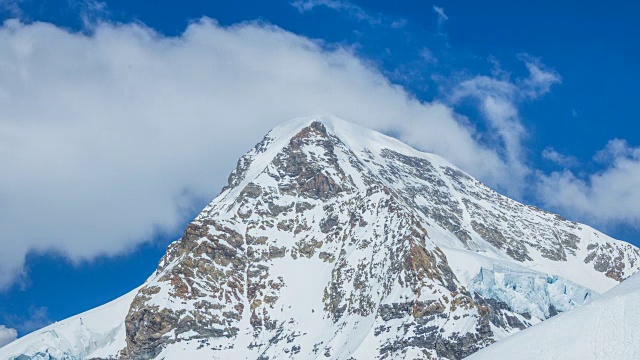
(106, 138)
(7, 335)
(549, 153)
(498, 98)
(607, 197)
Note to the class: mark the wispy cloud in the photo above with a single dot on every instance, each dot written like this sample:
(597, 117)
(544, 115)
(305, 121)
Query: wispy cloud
(37, 318)
(398, 23)
(428, 56)
(91, 12)
(567, 161)
(497, 98)
(13, 8)
(442, 17)
(441, 20)
(540, 78)
(352, 10)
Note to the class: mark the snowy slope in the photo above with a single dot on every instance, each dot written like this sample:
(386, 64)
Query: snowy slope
(95, 333)
(606, 328)
(335, 241)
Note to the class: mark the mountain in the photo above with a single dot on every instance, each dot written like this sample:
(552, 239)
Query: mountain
(606, 328)
(334, 241)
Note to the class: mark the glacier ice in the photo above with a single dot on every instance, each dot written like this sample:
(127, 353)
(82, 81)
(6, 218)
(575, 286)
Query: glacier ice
(606, 328)
(537, 294)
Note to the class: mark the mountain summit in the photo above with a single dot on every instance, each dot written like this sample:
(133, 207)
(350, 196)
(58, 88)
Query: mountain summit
(334, 241)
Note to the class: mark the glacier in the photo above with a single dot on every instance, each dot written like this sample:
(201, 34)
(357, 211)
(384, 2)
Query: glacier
(528, 292)
(606, 328)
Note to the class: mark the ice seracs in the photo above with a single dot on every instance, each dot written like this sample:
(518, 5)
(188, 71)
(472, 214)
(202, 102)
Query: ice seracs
(606, 328)
(527, 292)
(335, 241)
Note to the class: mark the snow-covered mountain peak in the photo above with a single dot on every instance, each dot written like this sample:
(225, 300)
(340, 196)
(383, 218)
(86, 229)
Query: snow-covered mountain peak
(356, 138)
(331, 240)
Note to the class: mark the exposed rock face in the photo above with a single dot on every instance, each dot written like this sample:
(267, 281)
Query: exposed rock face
(612, 260)
(208, 270)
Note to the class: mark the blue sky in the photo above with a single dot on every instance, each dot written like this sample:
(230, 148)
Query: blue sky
(542, 95)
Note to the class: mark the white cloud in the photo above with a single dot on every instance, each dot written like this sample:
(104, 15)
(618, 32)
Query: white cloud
(37, 318)
(7, 335)
(540, 78)
(497, 99)
(615, 150)
(549, 153)
(12, 7)
(106, 137)
(353, 10)
(441, 15)
(398, 24)
(90, 11)
(441, 20)
(607, 197)
(427, 56)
